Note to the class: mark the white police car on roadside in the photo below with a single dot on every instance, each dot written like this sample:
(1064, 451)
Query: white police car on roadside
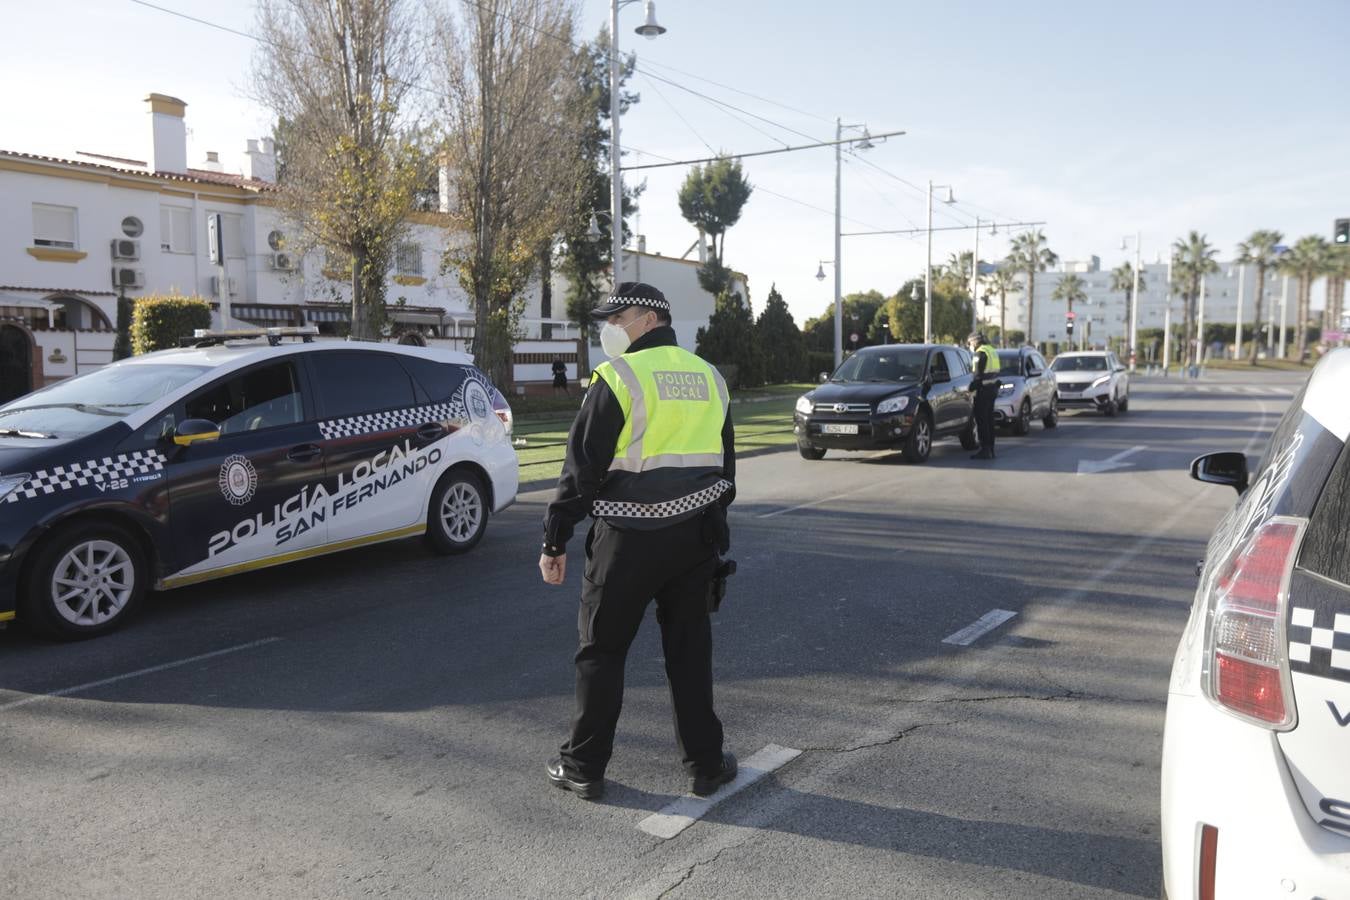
(1256, 748)
(185, 465)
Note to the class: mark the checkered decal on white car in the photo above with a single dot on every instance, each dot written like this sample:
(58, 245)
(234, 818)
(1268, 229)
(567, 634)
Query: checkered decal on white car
(94, 471)
(1319, 649)
(617, 509)
(390, 420)
(453, 410)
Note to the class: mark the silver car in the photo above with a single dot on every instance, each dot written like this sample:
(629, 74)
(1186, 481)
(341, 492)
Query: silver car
(1027, 391)
(1092, 379)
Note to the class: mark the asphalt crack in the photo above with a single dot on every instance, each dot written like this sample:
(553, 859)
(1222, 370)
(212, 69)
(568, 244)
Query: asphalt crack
(691, 869)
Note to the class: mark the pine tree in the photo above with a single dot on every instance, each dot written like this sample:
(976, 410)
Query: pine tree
(728, 342)
(780, 341)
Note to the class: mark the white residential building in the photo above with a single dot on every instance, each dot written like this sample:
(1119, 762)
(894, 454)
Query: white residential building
(1107, 311)
(80, 231)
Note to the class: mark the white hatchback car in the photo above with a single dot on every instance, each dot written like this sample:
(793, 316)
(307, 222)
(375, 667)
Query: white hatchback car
(1256, 749)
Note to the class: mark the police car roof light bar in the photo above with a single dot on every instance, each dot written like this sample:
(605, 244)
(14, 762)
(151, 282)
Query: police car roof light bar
(205, 337)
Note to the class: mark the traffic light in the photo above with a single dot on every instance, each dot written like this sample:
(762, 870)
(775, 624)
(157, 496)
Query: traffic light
(1342, 232)
(1068, 325)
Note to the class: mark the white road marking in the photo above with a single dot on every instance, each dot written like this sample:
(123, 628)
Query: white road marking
(979, 628)
(1096, 466)
(817, 502)
(90, 685)
(687, 810)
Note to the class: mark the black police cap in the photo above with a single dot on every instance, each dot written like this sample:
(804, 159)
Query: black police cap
(632, 293)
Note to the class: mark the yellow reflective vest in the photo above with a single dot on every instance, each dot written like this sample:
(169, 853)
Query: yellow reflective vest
(991, 364)
(668, 459)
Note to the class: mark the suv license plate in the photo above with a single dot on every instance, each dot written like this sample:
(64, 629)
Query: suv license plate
(834, 428)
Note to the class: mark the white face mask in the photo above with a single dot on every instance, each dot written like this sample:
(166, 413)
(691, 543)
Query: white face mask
(614, 339)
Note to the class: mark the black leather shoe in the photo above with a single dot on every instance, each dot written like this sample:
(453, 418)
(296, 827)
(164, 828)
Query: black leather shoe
(586, 790)
(708, 784)
(983, 454)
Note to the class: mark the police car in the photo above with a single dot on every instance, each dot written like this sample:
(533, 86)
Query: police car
(184, 465)
(1255, 780)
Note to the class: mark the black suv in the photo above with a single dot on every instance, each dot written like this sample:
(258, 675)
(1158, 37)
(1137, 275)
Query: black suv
(897, 396)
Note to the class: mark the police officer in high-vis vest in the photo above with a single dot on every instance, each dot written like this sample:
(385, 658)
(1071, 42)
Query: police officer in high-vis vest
(985, 386)
(650, 457)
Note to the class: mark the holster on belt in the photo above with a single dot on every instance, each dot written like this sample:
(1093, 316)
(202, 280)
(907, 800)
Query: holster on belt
(717, 534)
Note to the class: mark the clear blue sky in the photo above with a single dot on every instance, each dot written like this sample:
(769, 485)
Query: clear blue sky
(1102, 119)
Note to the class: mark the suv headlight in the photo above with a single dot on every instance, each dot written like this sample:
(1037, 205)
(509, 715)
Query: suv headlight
(1006, 388)
(11, 483)
(1101, 381)
(893, 404)
(804, 405)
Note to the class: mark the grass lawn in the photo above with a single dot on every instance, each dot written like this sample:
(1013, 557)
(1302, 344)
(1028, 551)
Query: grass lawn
(763, 418)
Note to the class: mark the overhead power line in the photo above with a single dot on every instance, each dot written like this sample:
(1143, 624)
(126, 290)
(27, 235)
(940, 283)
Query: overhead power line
(691, 162)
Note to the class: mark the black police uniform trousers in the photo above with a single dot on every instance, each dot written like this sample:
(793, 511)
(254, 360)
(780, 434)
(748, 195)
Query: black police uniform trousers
(626, 570)
(986, 392)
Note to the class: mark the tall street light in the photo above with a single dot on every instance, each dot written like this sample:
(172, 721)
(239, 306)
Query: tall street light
(650, 30)
(863, 143)
(1237, 345)
(928, 265)
(1134, 298)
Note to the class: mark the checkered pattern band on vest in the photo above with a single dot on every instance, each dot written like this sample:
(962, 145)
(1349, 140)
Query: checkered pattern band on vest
(649, 302)
(1320, 648)
(94, 471)
(618, 509)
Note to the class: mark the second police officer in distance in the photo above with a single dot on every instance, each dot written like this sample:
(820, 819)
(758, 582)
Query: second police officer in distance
(651, 457)
(985, 386)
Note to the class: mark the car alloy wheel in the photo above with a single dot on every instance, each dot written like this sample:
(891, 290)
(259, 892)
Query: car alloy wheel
(92, 583)
(84, 580)
(458, 514)
(920, 440)
(1023, 423)
(1052, 417)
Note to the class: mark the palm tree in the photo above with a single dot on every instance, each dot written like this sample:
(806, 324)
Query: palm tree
(1259, 250)
(1003, 282)
(1192, 259)
(1309, 259)
(1029, 254)
(958, 266)
(1070, 288)
(1122, 279)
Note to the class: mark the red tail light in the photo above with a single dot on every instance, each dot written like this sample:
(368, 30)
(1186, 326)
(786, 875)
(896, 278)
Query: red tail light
(1248, 666)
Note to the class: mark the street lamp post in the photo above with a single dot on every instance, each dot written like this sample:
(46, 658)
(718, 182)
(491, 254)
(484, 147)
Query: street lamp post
(1284, 305)
(1134, 299)
(928, 263)
(975, 281)
(864, 143)
(1167, 321)
(1237, 337)
(650, 30)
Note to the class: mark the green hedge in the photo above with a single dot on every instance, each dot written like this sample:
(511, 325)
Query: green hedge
(160, 320)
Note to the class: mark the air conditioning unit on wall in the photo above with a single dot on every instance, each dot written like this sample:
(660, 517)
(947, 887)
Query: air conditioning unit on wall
(127, 277)
(282, 262)
(123, 248)
(230, 285)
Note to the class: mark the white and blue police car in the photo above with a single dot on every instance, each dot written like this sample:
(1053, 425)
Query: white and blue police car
(1255, 781)
(237, 452)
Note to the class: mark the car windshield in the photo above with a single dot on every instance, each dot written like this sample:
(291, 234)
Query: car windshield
(86, 403)
(1079, 364)
(1010, 362)
(885, 365)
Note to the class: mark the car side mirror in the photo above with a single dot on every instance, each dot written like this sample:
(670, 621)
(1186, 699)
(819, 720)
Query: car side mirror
(1120, 368)
(1225, 467)
(192, 431)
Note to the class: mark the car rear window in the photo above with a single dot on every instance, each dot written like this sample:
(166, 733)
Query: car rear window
(353, 382)
(1326, 545)
(439, 380)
